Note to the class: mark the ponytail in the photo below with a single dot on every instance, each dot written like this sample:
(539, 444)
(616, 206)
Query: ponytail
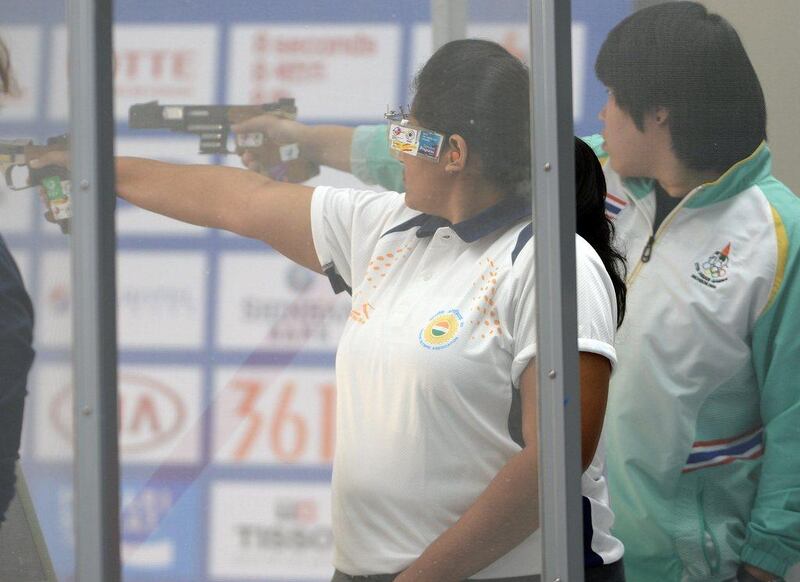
(592, 223)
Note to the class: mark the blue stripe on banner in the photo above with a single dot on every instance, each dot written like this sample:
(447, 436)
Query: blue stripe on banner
(613, 209)
(734, 450)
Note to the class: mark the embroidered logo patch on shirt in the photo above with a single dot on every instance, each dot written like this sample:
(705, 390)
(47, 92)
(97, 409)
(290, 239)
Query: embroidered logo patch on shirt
(614, 205)
(714, 270)
(442, 330)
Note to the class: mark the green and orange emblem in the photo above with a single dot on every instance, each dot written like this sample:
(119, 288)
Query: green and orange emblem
(442, 330)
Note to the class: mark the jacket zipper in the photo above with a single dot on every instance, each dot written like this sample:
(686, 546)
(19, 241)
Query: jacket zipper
(647, 252)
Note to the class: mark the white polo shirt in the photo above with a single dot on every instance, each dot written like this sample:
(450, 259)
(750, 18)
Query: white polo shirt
(441, 328)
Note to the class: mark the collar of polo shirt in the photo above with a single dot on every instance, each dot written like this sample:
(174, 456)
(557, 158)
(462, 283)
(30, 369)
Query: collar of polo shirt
(508, 211)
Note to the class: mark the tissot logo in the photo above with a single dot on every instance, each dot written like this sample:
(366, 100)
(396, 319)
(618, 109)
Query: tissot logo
(269, 530)
(286, 538)
(151, 413)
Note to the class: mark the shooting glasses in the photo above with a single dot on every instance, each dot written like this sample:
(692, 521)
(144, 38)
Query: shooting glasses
(412, 140)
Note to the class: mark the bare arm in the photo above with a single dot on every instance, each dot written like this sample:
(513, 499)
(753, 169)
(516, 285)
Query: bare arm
(236, 200)
(326, 145)
(507, 512)
(595, 371)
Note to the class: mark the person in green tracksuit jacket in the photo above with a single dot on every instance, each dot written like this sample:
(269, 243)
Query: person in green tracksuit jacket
(704, 408)
(702, 423)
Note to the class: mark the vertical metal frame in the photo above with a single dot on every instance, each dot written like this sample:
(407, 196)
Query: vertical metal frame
(94, 291)
(448, 21)
(553, 176)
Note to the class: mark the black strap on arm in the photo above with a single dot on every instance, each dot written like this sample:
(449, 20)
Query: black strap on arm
(338, 284)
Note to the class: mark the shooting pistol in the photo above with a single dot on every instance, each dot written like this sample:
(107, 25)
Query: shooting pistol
(54, 181)
(212, 123)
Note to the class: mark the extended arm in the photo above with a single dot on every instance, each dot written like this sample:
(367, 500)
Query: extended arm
(507, 512)
(325, 145)
(363, 151)
(239, 201)
(236, 200)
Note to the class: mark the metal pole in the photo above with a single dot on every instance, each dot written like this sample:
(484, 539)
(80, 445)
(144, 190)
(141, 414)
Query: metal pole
(448, 21)
(94, 291)
(557, 356)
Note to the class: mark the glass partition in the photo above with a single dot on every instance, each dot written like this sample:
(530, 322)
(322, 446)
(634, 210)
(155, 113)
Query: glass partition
(227, 349)
(37, 540)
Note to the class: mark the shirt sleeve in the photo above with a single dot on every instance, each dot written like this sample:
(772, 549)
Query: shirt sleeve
(16, 357)
(773, 534)
(596, 306)
(346, 225)
(370, 160)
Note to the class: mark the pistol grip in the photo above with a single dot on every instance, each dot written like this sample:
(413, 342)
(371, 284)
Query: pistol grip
(37, 176)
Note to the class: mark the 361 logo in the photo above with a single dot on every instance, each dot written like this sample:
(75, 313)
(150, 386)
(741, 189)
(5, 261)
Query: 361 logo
(265, 419)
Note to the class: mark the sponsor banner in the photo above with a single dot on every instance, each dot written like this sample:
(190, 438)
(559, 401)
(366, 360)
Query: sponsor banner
(161, 299)
(25, 49)
(270, 531)
(266, 302)
(51, 490)
(17, 209)
(160, 409)
(171, 63)
(273, 415)
(160, 417)
(54, 311)
(160, 520)
(514, 37)
(23, 260)
(333, 71)
(161, 536)
(180, 150)
(50, 388)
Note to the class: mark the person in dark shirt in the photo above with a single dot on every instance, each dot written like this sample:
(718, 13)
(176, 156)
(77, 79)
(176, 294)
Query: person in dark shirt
(16, 351)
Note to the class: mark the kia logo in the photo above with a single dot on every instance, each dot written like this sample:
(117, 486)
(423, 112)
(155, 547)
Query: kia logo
(150, 413)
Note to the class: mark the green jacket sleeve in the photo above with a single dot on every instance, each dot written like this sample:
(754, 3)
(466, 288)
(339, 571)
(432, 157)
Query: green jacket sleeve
(773, 534)
(595, 141)
(370, 160)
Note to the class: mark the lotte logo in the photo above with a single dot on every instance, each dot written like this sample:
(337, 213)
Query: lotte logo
(151, 413)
